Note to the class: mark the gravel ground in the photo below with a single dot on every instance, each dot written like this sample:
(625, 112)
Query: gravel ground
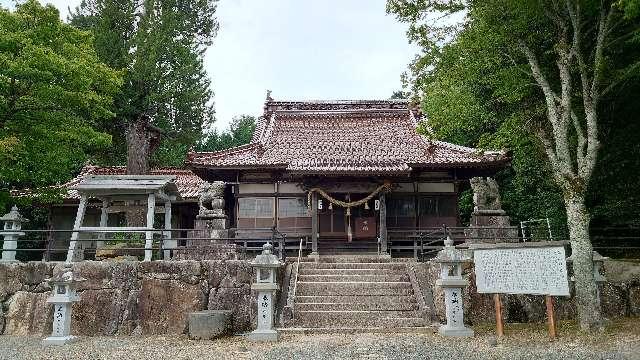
(360, 346)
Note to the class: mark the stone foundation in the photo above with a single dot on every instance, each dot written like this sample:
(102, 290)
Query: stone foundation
(620, 296)
(128, 298)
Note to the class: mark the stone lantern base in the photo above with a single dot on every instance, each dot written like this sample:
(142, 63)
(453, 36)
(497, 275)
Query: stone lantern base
(60, 340)
(263, 335)
(446, 330)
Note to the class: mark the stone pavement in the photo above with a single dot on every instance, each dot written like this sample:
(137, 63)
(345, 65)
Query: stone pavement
(622, 344)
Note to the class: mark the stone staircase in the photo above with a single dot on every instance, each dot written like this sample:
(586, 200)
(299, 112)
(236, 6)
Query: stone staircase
(352, 294)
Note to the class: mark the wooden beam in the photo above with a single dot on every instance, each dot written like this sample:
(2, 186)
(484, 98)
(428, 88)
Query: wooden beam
(104, 219)
(72, 254)
(148, 244)
(383, 224)
(167, 240)
(314, 223)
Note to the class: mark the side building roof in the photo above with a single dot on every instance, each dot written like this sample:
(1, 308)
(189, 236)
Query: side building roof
(187, 182)
(369, 137)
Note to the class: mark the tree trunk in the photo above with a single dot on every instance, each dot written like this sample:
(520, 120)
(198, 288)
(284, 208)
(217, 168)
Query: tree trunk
(138, 150)
(586, 296)
(137, 164)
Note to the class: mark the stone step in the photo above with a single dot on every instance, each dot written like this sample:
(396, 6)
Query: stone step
(353, 265)
(308, 271)
(354, 288)
(353, 278)
(359, 318)
(352, 258)
(356, 299)
(351, 306)
(360, 330)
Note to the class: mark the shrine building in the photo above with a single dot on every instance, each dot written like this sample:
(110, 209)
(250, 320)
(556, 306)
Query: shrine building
(361, 166)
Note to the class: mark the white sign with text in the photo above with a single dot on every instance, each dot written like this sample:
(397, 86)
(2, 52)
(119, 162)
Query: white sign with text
(522, 270)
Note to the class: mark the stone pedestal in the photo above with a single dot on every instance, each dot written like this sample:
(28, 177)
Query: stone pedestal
(491, 226)
(209, 324)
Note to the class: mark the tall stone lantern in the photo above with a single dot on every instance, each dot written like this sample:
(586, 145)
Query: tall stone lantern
(266, 265)
(451, 281)
(64, 295)
(12, 225)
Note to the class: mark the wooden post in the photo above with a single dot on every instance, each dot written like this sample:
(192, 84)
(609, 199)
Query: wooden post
(383, 224)
(167, 241)
(148, 244)
(104, 219)
(314, 224)
(498, 305)
(548, 299)
(71, 254)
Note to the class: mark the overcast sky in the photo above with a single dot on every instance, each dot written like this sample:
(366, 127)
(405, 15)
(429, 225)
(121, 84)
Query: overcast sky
(310, 49)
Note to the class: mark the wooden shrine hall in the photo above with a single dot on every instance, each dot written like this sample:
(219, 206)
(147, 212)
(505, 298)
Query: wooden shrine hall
(361, 167)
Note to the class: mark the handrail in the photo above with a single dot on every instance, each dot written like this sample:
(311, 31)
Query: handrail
(295, 282)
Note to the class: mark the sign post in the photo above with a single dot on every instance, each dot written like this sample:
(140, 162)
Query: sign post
(534, 268)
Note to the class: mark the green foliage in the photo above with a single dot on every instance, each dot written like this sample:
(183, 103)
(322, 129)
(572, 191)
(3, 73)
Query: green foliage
(477, 90)
(240, 132)
(159, 44)
(54, 93)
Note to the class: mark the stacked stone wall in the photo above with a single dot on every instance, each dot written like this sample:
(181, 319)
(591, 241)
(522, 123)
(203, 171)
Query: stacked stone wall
(127, 298)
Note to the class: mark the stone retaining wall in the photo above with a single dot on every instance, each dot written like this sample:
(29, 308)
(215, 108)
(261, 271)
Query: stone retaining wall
(127, 298)
(620, 296)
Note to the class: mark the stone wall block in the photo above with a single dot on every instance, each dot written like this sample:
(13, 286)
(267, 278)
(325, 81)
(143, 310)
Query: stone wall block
(164, 304)
(129, 317)
(186, 271)
(29, 314)
(613, 299)
(98, 312)
(237, 299)
(634, 299)
(27, 276)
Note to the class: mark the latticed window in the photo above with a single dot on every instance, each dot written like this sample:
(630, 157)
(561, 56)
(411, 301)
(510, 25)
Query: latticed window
(256, 212)
(293, 214)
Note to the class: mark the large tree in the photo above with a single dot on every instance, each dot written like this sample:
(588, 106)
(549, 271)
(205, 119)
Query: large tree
(166, 98)
(573, 54)
(54, 94)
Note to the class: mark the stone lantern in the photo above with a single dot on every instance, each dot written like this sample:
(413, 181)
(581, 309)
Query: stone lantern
(64, 295)
(266, 265)
(451, 281)
(598, 263)
(12, 225)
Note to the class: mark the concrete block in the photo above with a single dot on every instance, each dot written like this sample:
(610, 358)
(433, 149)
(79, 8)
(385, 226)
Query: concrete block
(209, 324)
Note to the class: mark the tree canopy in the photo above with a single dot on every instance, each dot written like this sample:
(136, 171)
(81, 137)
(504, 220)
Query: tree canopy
(240, 132)
(54, 94)
(159, 44)
(541, 77)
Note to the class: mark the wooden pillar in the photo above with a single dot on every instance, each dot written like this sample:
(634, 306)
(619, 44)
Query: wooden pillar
(72, 254)
(314, 224)
(167, 241)
(383, 224)
(104, 220)
(148, 244)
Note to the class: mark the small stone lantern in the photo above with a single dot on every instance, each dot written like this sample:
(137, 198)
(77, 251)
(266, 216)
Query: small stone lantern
(598, 263)
(12, 224)
(452, 283)
(64, 295)
(266, 265)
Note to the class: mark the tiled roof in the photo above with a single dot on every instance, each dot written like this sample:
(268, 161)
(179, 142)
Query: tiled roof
(369, 137)
(187, 182)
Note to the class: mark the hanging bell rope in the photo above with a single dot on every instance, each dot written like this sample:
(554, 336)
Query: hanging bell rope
(347, 204)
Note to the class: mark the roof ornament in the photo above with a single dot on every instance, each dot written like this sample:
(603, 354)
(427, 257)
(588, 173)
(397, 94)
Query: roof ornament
(269, 98)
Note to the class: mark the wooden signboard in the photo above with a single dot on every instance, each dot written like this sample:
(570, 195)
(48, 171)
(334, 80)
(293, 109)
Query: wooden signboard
(536, 268)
